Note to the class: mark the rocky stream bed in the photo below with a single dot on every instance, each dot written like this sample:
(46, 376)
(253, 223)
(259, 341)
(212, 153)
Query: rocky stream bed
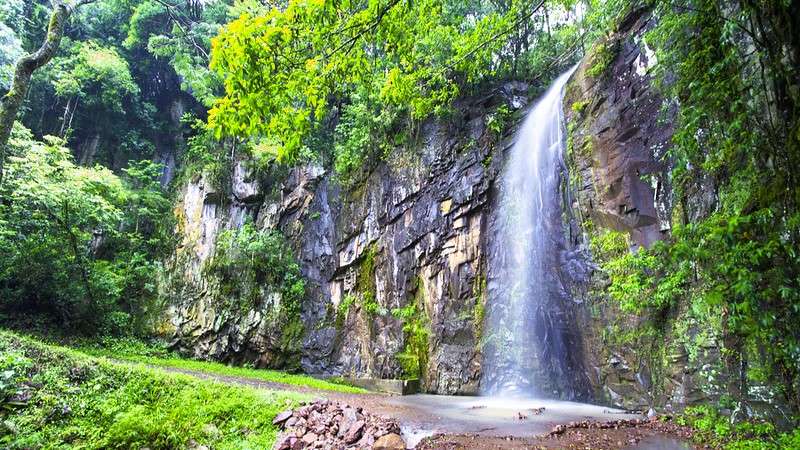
(329, 424)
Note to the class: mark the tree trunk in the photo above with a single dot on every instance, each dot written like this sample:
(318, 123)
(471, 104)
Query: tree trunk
(69, 113)
(11, 102)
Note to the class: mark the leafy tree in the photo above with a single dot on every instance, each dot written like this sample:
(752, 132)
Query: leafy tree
(12, 101)
(182, 33)
(165, 45)
(79, 243)
(95, 78)
(284, 70)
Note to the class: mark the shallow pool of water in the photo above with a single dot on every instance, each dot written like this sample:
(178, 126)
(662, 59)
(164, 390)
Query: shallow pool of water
(492, 416)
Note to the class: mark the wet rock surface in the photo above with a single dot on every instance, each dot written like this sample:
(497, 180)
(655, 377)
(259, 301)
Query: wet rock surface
(619, 138)
(326, 424)
(618, 180)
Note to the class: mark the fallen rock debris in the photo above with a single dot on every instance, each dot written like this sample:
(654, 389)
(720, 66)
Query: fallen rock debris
(325, 424)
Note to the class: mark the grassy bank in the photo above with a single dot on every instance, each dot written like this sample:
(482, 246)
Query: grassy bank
(53, 397)
(136, 351)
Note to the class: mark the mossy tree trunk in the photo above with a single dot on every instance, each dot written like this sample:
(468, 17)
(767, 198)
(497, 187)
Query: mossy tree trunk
(27, 65)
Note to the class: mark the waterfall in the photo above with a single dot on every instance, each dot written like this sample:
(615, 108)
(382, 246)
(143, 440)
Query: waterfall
(520, 338)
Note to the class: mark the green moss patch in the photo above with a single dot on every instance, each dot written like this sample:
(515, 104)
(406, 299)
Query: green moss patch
(602, 56)
(416, 328)
(715, 430)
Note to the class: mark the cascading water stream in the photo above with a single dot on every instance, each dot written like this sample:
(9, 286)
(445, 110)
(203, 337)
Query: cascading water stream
(521, 255)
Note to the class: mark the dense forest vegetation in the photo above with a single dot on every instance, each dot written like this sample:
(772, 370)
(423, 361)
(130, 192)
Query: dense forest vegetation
(139, 97)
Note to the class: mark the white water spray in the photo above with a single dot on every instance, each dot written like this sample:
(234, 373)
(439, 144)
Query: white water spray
(521, 254)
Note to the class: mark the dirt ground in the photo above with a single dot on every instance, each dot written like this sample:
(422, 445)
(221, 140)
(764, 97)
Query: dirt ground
(655, 435)
(620, 434)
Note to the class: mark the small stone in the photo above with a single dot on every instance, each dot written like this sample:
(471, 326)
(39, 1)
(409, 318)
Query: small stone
(350, 414)
(367, 441)
(390, 441)
(348, 418)
(282, 417)
(310, 438)
(297, 444)
(354, 433)
(285, 443)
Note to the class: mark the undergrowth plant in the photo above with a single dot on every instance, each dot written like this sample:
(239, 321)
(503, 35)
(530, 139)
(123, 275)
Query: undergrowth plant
(68, 400)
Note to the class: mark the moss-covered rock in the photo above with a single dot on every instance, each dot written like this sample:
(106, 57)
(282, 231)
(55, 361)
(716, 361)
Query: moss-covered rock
(617, 142)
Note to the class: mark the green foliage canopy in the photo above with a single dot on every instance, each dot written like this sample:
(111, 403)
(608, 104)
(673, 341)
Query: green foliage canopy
(286, 70)
(95, 75)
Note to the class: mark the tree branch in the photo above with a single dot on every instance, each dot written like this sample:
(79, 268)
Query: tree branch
(497, 35)
(27, 64)
(350, 42)
(175, 17)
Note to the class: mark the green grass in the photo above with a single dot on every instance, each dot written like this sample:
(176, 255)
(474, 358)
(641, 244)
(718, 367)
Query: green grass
(713, 430)
(80, 402)
(135, 351)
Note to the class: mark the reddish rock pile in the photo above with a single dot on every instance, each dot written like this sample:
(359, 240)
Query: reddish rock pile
(332, 425)
(617, 433)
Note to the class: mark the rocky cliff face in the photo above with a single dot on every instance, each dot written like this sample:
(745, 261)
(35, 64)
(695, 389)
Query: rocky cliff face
(405, 246)
(619, 132)
(619, 137)
(401, 259)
